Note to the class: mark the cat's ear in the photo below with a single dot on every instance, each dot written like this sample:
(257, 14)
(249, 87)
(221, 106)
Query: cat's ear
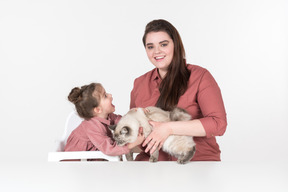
(112, 127)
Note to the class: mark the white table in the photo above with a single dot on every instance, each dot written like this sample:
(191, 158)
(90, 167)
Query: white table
(144, 176)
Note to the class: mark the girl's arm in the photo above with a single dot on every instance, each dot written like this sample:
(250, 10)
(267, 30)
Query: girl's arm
(107, 145)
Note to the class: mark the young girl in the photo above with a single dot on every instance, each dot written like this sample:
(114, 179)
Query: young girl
(95, 106)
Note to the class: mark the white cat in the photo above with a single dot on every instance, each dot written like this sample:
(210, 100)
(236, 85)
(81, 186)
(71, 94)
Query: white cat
(126, 131)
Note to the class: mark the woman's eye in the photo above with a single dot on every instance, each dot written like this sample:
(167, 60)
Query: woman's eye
(164, 45)
(150, 47)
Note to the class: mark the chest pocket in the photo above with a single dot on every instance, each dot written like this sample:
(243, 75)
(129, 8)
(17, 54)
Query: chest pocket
(148, 98)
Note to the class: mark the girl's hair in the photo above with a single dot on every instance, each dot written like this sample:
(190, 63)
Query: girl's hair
(175, 82)
(86, 98)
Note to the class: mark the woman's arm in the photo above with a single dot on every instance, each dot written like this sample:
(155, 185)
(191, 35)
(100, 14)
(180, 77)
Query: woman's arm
(212, 123)
(161, 131)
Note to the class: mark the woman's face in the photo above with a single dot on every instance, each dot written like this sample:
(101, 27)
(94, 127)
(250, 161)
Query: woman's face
(159, 48)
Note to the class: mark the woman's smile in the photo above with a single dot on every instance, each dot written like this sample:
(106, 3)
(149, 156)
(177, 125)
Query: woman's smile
(159, 58)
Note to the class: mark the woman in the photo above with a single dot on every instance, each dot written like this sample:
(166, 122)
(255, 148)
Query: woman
(173, 83)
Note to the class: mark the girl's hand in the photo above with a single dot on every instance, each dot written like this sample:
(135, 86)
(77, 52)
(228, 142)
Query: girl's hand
(157, 137)
(146, 111)
(139, 139)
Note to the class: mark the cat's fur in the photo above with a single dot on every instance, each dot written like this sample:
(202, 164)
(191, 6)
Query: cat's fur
(126, 131)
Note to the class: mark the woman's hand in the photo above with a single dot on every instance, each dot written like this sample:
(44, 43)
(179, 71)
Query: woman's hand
(157, 137)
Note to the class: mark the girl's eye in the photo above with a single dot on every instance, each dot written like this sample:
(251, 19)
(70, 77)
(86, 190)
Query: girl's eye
(164, 44)
(149, 47)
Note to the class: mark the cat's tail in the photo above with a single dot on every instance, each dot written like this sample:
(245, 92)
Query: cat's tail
(179, 114)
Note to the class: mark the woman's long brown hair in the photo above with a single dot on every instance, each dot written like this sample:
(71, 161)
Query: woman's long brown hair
(176, 79)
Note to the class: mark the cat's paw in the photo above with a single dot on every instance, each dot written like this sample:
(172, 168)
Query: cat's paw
(153, 159)
(181, 161)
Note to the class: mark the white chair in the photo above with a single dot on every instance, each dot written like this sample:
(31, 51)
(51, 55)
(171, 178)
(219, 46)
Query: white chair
(73, 120)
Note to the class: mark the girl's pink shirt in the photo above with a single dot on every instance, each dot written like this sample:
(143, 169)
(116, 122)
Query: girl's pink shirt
(94, 135)
(202, 100)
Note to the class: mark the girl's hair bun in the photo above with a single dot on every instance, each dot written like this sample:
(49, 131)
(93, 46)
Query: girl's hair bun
(75, 95)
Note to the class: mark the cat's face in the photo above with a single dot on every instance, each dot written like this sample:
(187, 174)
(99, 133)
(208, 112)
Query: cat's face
(126, 131)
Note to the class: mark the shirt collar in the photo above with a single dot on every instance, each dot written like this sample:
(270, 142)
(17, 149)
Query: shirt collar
(155, 75)
(102, 120)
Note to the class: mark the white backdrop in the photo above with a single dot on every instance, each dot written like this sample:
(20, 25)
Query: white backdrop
(49, 47)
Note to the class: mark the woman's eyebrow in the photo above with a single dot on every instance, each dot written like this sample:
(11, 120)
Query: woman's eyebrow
(165, 41)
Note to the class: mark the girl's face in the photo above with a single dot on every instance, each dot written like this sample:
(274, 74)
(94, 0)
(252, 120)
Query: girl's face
(106, 105)
(159, 48)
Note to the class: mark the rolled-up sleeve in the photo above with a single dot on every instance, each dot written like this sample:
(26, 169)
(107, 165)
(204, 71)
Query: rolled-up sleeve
(212, 107)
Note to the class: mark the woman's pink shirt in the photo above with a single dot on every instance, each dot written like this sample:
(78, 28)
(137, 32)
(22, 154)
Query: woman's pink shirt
(202, 99)
(94, 135)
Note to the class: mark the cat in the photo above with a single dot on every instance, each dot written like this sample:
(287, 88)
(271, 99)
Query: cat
(126, 131)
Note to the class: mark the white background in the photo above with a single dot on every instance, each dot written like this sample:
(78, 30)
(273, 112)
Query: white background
(49, 47)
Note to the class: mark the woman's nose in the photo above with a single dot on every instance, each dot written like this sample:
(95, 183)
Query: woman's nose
(157, 49)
